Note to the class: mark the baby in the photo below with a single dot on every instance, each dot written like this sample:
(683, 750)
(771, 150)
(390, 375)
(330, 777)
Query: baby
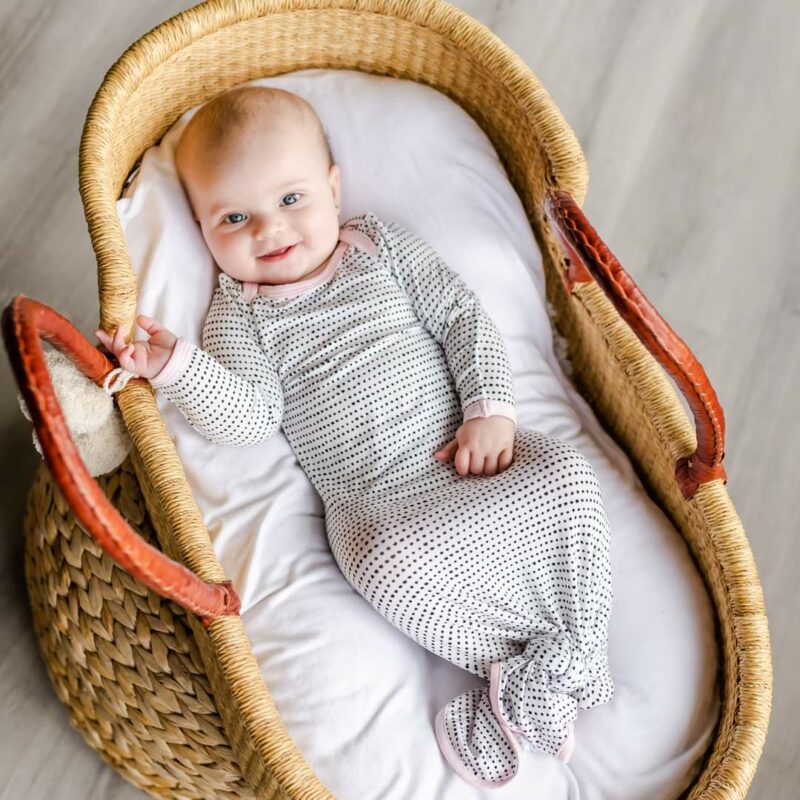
(258, 171)
(382, 367)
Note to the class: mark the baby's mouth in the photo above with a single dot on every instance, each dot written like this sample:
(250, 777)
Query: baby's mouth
(277, 254)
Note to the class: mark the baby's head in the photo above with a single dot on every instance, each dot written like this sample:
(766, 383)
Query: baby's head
(257, 170)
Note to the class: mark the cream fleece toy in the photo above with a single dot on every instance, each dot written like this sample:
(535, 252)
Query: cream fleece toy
(93, 420)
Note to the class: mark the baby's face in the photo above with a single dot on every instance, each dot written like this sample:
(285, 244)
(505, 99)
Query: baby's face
(267, 192)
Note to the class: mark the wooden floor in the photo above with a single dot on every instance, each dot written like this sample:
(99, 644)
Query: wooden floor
(689, 115)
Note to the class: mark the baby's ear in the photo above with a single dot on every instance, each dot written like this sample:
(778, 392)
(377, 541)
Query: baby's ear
(335, 182)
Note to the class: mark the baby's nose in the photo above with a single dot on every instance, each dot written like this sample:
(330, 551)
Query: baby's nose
(266, 227)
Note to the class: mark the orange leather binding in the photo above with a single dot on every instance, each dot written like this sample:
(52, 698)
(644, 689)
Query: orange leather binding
(24, 321)
(589, 258)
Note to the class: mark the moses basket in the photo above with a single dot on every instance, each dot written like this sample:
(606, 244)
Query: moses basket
(143, 642)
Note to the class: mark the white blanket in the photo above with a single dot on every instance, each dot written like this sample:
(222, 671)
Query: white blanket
(358, 696)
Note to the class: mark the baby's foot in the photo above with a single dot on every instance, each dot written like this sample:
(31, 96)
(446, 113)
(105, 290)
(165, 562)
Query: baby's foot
(474, 742)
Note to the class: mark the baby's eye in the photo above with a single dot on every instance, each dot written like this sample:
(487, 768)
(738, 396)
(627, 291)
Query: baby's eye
(234, 221)
(292, 194)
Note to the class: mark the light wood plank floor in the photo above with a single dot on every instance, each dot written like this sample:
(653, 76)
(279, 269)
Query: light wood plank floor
(688, 113)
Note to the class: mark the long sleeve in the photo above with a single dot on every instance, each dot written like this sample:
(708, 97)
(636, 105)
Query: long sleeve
(454, 316)
(228, 391)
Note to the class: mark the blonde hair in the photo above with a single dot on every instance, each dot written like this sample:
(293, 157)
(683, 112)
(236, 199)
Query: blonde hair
(228, 115)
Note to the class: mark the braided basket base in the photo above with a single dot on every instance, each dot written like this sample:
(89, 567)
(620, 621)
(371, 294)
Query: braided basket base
(121, 658)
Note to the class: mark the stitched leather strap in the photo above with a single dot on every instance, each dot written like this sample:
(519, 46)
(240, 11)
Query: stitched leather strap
(589, 258)
(24, 321)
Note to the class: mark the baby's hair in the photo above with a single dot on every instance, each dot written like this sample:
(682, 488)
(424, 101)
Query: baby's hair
(224, 118)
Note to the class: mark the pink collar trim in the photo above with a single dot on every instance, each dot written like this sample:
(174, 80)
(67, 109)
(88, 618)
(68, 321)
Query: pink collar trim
(347, 237)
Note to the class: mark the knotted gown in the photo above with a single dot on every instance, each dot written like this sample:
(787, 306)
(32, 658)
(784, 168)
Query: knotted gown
(370, 367)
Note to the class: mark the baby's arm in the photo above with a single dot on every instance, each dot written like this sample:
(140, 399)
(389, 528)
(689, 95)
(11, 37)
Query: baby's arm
(473, 346)
(228, 391)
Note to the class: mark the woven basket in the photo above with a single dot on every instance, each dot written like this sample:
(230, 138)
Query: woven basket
(174, 700)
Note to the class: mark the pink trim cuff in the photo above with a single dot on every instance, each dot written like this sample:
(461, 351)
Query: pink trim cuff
(176, 365)
(490, 408)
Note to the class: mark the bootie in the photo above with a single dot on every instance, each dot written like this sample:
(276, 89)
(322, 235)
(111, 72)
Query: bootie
(476, 745)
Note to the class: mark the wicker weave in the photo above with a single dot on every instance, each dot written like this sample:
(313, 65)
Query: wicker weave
(123, 660)
(182, 711)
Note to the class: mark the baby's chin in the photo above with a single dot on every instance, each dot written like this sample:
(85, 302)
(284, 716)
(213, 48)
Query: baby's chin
(275, 275)
(280, 276)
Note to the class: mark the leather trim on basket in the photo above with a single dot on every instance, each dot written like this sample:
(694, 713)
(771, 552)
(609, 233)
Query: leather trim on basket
(590, 259)
(24, 322)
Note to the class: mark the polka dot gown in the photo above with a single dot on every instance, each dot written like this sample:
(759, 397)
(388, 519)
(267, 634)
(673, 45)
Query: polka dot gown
(369, 373)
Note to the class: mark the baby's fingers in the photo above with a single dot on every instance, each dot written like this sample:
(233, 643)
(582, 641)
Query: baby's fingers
(113, 344)
(149, 324)
(462, 460)
(447, 451)
(476, 463)
(506, 457)
(126, 358)
(119, 340)
(104, 338)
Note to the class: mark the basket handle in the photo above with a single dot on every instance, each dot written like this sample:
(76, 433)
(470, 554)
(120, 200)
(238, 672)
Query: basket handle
(588, 259)
(24, 321)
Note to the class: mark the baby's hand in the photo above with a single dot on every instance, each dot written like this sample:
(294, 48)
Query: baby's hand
(145, 358)
(483, 445)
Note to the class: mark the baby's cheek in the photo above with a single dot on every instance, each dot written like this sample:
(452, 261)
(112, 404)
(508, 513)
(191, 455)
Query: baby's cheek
(227, 252)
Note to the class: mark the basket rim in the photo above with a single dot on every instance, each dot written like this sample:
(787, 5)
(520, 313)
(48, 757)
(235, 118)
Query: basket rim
(186, 27)
(559, 144)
